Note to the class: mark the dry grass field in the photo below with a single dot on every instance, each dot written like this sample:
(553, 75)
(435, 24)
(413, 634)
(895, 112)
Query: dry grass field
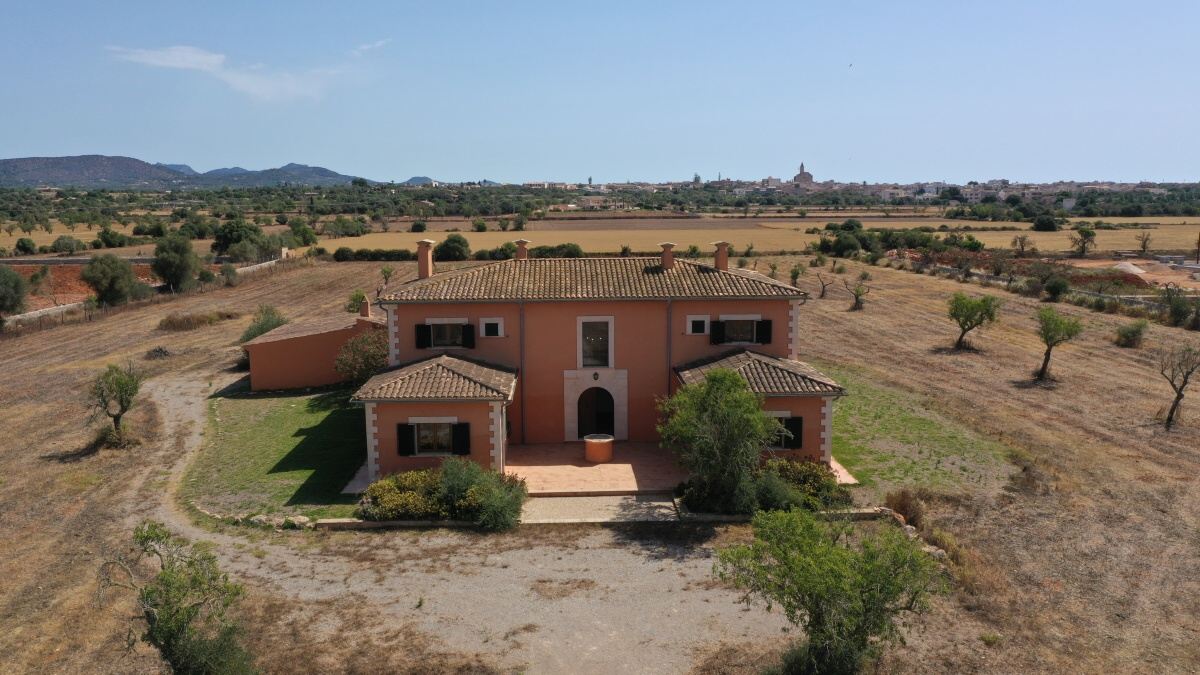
(765, 235)
(1085, 561)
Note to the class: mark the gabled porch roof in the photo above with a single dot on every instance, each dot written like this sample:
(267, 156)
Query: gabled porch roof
(440, 378)
(766, 375)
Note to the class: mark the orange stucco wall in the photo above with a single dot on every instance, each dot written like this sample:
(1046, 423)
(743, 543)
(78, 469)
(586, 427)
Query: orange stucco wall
(811, 409)
(303, 361)
(649, 340)
(388, 415)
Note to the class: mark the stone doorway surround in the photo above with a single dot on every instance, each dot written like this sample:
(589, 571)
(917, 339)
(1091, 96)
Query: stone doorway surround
(614, 381)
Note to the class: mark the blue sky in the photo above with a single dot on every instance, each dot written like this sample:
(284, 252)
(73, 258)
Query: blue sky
(875, 91)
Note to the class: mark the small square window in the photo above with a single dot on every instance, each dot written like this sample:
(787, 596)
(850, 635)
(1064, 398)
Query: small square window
(491, 329)
(697, 324)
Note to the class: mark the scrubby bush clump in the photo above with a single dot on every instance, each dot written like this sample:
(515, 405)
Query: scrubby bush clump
(459, 490)
(193, 320)
(1131, 334)
(267, 318)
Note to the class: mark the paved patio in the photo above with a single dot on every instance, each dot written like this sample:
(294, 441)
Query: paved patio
(559, 470)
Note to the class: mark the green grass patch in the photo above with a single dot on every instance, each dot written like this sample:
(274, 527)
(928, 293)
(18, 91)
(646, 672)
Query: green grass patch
(284, 454)
(890, 438)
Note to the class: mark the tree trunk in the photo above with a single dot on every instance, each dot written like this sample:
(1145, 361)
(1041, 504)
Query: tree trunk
(1045, 365)
(958, 344)
(117, 422)
(1174, 410)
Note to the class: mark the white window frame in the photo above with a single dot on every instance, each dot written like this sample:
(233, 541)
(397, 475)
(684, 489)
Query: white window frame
(417, 421)
(687, 328)
(743, 317)
(461, 320)
(612, 340)
(491, 319)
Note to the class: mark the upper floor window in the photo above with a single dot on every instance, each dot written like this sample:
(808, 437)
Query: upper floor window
(740, 329)
(595, 342)
(697, 324)
(445, 333)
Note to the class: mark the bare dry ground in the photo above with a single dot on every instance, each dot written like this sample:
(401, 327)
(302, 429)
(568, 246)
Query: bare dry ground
(1085, 562)
(1089, 557)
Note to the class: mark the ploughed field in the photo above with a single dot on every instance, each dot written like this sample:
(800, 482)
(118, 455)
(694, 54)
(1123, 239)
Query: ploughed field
(1084, 559)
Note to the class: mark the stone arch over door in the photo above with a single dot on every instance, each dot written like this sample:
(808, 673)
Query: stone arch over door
(595, 409)
(612, 380)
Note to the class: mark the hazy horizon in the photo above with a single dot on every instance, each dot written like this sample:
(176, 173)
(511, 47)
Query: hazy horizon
(873, 92)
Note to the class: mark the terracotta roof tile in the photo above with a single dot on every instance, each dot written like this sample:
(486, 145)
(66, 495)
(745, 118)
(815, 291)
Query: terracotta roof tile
(325, 324)
(766, 375)
(589, 279)
(440, 378)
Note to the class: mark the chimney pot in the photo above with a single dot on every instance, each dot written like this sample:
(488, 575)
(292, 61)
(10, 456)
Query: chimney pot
(522, 249)
(668, 255)
(721, 258)
(425, 258)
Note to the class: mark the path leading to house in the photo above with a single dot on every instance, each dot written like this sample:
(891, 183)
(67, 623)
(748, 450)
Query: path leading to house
(644, 508)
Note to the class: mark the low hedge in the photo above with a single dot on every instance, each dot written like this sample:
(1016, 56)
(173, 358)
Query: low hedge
(459, 490)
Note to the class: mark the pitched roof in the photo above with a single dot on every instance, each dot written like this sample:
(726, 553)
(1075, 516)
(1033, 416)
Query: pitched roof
(589, 279)
(440, 378)
(324, 324)
(766, 375)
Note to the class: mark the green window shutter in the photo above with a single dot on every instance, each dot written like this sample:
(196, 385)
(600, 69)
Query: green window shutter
(424, 336)
(406, 439)
(460, 444)
(795, 426)
(468, 336)
(762, 332)
(716, 332)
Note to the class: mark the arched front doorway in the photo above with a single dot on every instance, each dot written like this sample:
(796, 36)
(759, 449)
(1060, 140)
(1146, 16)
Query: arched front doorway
(595, 412)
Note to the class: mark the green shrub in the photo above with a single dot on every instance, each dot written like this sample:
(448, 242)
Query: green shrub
(343, 253)
(1056, 287)
(816, 483)
(1130, 335)
(229, 274)
(459, 490)
(267, 318)
(776, 494)
(206, 276)
(453, 247)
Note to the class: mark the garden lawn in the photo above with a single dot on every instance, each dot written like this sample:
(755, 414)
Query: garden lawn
(278, 454)
(890, 438)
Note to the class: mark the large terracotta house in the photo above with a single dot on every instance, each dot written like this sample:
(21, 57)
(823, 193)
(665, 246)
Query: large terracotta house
(537, 351)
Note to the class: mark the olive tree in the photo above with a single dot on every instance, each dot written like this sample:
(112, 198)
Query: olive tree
(971, 313)
(1143, 240)
(859, 292)
(1178, 365)
(175, 262)
(1082, 241)
(1054, 329)
(113, 393)
(111, 278)
(846, 597)
(184, 599)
